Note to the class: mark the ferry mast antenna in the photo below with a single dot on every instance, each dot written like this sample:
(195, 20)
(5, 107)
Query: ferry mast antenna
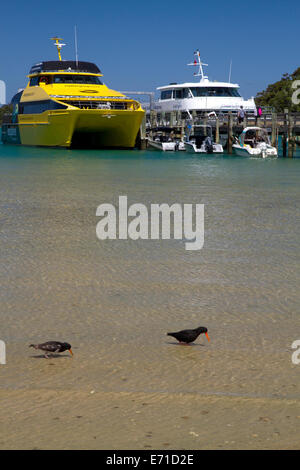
(198, 62)
(58, 45)
(230, 67)
(76, 49)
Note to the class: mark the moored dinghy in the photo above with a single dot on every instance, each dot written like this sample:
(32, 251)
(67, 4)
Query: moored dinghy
(202, 141)
(254, 142)
(164, 143)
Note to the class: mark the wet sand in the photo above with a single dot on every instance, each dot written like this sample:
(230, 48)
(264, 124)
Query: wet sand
(44, 419)
(111, 398)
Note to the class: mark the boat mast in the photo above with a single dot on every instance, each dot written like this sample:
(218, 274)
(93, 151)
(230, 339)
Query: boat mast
(76, 49)
(230, 68)
(198, 62)
(58, 45)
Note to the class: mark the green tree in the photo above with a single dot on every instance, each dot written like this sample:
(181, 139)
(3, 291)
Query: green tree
(278, 95)
(5, 109)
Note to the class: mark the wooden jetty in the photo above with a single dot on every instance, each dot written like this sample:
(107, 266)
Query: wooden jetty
(224, 127)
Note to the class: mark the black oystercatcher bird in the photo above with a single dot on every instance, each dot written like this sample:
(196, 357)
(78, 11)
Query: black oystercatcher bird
(188, 336)
(52, 347)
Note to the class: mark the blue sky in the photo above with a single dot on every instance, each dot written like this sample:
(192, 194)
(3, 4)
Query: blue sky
(141, 45)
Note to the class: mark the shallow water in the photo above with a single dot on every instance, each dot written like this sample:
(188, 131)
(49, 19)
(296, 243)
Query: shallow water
(115, 300)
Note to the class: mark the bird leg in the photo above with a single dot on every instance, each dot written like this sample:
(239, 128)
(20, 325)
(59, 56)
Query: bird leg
(51, 354)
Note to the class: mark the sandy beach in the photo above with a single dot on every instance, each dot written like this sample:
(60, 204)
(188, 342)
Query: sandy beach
(46, 419)
(104, 402)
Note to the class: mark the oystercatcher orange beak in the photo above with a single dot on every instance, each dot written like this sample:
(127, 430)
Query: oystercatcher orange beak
(208, 338)
(71, 352)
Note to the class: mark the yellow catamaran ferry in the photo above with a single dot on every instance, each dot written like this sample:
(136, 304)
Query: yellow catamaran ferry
(65, 104)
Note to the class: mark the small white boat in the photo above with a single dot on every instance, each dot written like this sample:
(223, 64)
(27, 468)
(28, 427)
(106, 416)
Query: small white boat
(202, 141)
(159, 144)
(165, 144)
(254, 142)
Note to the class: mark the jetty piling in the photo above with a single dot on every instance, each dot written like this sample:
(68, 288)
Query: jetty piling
(230, 133)
(217, 139)
(290, 137)
(274, 130)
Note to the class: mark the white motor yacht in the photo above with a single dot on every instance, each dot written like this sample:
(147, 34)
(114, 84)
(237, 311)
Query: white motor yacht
(204, 97)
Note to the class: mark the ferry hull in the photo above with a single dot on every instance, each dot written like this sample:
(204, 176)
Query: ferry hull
(72, 127)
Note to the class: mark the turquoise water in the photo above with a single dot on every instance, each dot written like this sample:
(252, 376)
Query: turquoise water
(115, 300)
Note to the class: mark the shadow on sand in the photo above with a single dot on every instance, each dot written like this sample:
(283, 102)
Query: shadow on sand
(51, 356)
(185, 344)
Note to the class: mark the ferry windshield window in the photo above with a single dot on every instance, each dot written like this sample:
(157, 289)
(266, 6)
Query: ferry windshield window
(81, 79)
(34, 81)
(166, 95)
(186, 93)
(178, 94)
(38, 107)
(215, 91)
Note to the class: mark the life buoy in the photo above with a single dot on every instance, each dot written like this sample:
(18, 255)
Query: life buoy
(44, 80)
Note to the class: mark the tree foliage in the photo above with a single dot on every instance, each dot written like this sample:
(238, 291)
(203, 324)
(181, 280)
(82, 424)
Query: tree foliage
(278, 95)
(5, 109)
